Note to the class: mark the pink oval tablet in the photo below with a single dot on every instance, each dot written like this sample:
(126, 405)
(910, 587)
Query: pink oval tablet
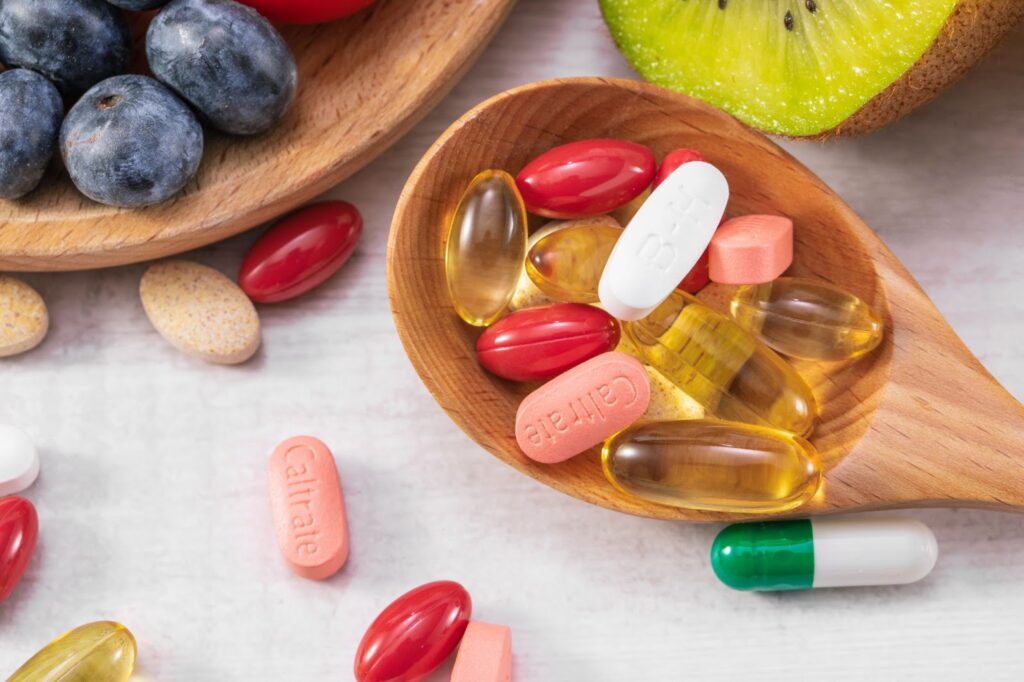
(308, 507)
(485, 654)
(751, 249)
(580, 408)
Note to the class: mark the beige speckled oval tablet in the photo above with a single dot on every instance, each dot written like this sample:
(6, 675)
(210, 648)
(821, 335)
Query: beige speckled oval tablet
(200, 311)
(23, 317)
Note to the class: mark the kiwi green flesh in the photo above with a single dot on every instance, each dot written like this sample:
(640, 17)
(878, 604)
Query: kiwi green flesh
(790, 67)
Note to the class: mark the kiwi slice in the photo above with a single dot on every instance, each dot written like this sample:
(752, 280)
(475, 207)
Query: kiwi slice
(797, 67)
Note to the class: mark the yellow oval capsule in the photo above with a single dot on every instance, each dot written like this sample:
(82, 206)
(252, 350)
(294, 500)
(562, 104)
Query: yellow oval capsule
(96, 652)
(806, 319)
(713, 466)
(722, 366)
(567, 264)
(486, 248)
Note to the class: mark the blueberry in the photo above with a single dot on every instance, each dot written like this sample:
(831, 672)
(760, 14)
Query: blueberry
(30, 114)
(226, 59)
(74, 43)
(130, 142)
(138, 5)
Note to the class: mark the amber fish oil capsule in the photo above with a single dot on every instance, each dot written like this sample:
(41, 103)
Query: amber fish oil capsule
(713, 465)
(96, 652)
(486, 247)
(811, 553)
(567, 264)
(806, 319)
(722, 366)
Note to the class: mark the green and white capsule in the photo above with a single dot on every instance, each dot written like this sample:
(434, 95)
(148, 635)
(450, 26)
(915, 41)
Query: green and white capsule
(805, 554)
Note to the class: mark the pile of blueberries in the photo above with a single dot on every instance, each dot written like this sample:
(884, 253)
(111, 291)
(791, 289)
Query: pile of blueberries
(131, 140)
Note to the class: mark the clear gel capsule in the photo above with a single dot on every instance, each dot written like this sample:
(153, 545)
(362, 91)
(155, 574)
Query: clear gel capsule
(486, 247)
(806, 553)
(722, 366)
(713, 465)
(806, 319)
(95, 652)
(567, 264)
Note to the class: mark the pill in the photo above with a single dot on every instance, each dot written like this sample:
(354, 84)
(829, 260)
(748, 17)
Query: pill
(751, 249)
(96, 652)
(673, 160)
(19, 460)
(301, 252)
(527, 295)
(19, 530)
(586, 178)
(806, 319)
(485, 654)
(23, 317)
(537, 344)
(835, 552)
(663, 241)
(486, 247)
(414, 634)
(567, 265)
(668, 401)
(308, 508)
(200, 312)
(713, 465)
(699, 275)
(580, 408)
(722, 366)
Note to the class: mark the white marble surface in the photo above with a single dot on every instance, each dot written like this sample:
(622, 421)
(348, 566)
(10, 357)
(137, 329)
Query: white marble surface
(154, 509)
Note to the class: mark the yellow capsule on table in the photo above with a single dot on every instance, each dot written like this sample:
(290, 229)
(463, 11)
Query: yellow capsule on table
(713, 466)
(567, 264)
(806, 319)
(486, 247)
(722, 366)
(96, 652)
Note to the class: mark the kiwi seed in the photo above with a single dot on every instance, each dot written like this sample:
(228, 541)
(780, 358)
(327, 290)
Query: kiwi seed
(788, 20)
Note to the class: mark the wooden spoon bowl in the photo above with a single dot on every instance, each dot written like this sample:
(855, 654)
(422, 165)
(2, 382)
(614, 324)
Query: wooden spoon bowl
(919, 422)
(363, 82)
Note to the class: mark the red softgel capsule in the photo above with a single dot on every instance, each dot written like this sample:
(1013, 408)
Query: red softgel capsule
(301, 251)
(699, 275)
(19, 529)
(673, 160)
(540, 343)
(414, 634)
(307, 11)
(586, 178)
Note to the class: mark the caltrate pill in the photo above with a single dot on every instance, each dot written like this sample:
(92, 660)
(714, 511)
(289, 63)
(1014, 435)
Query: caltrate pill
(579, 409)
(485, 654)
(308, 507)
(751, 249)
(809, 553)
(664, 240)
(19, 461)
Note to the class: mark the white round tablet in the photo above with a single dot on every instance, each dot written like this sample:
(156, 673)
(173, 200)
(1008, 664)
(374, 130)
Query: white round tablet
(19, 461)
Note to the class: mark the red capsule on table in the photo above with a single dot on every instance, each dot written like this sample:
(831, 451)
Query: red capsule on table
(673, 160)
(19, 529)
(586, 178)
(301, 251)
(414, 634)
(536, 344)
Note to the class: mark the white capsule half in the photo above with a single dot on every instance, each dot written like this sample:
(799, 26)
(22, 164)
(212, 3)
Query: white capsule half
(872, 551)
(664, 240)
(19, 461)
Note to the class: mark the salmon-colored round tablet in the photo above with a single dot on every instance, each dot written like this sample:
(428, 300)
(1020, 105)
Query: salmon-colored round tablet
(308, 507)
(485, 654)
(751, 249)
(580, 408)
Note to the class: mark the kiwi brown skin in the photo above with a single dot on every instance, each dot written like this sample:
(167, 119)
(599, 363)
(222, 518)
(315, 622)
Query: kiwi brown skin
(970, 33)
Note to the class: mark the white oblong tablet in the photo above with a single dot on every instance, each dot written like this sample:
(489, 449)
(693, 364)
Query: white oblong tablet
(664, 240)
(19, 461)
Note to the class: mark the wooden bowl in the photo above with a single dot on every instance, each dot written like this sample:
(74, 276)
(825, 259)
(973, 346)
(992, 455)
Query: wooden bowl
(919, 422)
(363, 82)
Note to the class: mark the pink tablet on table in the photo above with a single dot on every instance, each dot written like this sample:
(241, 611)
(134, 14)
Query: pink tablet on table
(308, 508)
(485, 654)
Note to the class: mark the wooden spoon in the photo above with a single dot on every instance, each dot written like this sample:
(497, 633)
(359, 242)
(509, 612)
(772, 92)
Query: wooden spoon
(919, 422)
(363, 82)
